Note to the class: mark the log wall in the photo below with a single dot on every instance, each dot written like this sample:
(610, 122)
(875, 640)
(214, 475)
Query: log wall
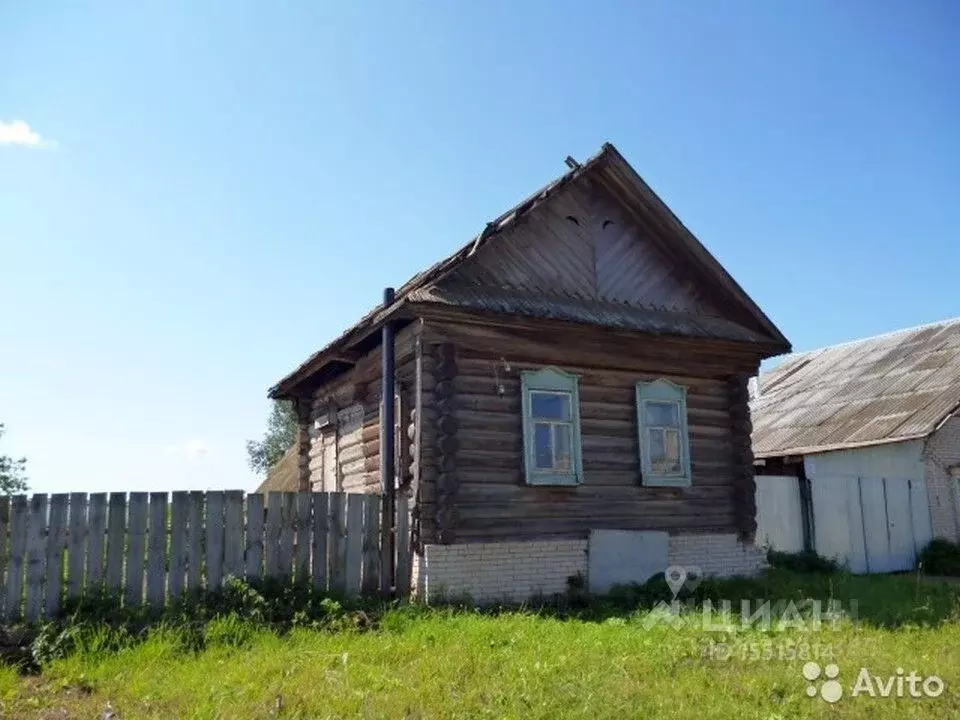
(351, 405)
(472, 478)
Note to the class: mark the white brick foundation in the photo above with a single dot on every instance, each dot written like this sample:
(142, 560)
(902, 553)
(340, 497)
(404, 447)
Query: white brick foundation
(491, 572)
(519, 571)
(717, 555)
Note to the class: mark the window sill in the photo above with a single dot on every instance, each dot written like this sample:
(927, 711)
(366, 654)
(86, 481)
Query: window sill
(552, 481)
(670, 482)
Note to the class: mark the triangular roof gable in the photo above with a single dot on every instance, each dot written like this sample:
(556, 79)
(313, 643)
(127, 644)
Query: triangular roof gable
(698, 285)
(599, 233)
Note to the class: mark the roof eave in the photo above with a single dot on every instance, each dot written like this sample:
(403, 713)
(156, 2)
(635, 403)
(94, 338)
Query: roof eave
(339, 350)
(833, 447)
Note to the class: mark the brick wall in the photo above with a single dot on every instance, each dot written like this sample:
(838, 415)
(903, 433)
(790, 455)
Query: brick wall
(490, 572)
(941, 451)
(717, 555)
(519, 571)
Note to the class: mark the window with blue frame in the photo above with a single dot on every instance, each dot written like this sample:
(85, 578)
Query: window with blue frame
(664, 441)
(551, 428)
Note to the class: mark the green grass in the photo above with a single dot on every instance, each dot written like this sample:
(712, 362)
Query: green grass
(599, 661)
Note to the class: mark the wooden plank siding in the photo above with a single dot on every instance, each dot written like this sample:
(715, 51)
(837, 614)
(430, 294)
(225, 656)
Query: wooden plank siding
(584, 244)
(472, 484)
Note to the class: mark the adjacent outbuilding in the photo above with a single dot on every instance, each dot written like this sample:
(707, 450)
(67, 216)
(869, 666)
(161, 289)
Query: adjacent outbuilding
(858, 448)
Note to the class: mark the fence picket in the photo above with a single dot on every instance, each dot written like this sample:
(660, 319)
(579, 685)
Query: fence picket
(196, 542)
(354, 543)
(179, 510)
(404, 559)
(301, 548)
(271, 540)
(151, 547)
(18, 551)
(287, 521)
(157, 550)
(371, 544)
(321, 527)
(214, 539)
(96, 527)
(4, 530)
(253, 547)
(56, 542)
(116, 540)
(36, 524)
(233, 534)
(77, 544)
(136, 549)
(338, 545)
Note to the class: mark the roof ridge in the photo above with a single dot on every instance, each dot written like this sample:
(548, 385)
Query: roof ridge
(880, 336)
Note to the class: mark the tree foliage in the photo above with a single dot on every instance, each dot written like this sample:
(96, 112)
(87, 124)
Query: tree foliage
(13, 478)
(280, 435)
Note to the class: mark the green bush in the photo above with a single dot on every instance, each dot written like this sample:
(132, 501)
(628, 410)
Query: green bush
(940, 557)
(807, 561)
(229, 616)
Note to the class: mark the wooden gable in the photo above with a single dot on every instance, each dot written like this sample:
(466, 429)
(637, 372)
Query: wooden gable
(595, 247)
(582, 244)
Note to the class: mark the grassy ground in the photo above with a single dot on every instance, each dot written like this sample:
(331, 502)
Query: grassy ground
(602, 661)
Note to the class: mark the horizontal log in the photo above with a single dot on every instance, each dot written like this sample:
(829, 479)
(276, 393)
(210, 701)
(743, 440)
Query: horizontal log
(630, 491)
(477, 394)
(540, 527)
(592, 477)
(575, 507)
(350, 453)
(524, 352)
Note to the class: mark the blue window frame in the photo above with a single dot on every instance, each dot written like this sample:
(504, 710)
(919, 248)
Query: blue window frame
(664, 441)
(551, 428)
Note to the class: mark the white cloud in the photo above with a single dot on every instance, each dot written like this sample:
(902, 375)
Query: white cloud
(191, 449)
(17, 132)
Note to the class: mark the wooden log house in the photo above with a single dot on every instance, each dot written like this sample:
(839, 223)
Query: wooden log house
(571, 398)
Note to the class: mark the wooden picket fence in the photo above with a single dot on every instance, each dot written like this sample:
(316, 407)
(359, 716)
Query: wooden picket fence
(151, 547)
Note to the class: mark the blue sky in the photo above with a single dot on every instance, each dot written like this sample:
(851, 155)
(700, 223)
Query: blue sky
(202, 196)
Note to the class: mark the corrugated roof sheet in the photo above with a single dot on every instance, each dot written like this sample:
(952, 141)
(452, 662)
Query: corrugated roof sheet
(592, 312)
(889, 388)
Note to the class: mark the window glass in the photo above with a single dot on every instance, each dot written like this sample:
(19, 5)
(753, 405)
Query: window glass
(550, 406)
(543, 446)
(662, 413)
(563, 459)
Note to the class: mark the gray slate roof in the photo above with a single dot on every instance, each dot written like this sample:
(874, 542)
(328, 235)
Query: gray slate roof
(889, 388)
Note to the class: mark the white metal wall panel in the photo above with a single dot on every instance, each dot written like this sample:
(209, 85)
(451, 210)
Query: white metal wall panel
(895, 460)
(831, 522)
(903, 555)
(857, 556)
(870, 508)
(920, 515)
(875, 528)
(779, 514)
(619, 557)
